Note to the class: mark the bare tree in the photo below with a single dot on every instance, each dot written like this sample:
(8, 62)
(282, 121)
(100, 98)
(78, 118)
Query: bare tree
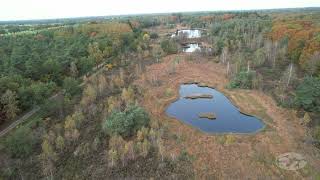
(228, 68)
(274, 54)
(161, 149)
(224, 55)
(271, 50)
(288, 76)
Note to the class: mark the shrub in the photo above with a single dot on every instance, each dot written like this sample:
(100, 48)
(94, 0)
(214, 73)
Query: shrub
(20, 143)
(154, 35)
(185, 156)
(316, 133)
(242, 80)
(127, 95)
(169, 46)
(126, 123)
(171, 26)
(306, 118)
(230, 139)
(168, 92)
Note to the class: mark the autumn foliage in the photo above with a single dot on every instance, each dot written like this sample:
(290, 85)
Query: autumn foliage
(108, 28)
(228, 16)
(303, 36)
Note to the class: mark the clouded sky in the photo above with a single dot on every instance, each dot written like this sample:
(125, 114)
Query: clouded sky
(46, 9)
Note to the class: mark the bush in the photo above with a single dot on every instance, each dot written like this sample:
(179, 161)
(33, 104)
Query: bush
(154, 35)
(242, 80)
(185, 156)
(169, 46)
(126, 123)
(168, 92)
(20, 143)
(316, 133)
(230, 139)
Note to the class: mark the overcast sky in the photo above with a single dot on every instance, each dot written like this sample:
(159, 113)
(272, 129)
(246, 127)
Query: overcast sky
(47, 9)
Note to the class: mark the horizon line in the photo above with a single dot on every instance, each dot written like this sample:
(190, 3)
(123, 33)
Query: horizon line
(155, 13)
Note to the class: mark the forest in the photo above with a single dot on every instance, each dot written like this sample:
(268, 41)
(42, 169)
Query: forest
(100, 88)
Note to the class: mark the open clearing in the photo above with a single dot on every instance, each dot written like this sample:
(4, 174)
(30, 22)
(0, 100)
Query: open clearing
(226, 156)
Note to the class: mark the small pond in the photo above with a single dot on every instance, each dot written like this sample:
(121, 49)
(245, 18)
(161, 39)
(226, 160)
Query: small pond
(191, 47)
(189, 33)
(226, 117)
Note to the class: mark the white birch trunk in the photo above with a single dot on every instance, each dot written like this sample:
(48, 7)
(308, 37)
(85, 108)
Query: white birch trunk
(228, 66)
(290, 74)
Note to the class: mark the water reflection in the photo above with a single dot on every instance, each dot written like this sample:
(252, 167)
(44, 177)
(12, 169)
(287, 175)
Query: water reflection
(228, 118)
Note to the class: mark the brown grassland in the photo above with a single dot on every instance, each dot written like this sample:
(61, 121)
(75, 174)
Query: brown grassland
(225, 156)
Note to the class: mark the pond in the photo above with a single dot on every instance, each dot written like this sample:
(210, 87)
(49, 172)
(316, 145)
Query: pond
(191, 47)
(210, 111)
(189, 33)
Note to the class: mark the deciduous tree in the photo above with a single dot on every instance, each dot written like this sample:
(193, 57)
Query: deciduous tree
(10, 103)
(48, 158)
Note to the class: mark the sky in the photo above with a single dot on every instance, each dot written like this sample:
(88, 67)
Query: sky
(49, 9)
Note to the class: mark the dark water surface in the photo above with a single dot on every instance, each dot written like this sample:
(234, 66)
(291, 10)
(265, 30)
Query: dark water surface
(228, 118)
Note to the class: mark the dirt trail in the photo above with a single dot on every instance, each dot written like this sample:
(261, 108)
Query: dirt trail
(226, 156)
(20, 120)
